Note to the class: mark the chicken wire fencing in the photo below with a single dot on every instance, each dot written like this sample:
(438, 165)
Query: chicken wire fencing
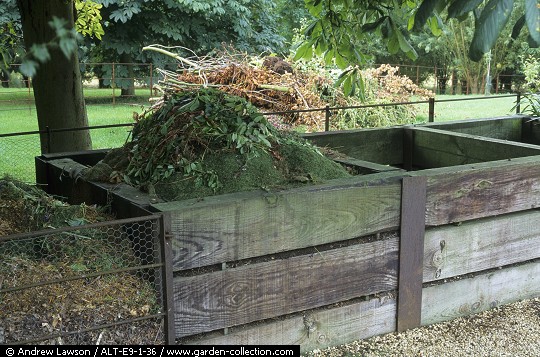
(100, 283)
(18, 150)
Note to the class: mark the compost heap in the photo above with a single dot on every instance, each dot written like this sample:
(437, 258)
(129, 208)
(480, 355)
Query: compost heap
(26, 208)
(205, 142)
(75, 304)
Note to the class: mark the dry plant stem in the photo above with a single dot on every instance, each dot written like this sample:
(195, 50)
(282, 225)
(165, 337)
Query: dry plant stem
(170, 54)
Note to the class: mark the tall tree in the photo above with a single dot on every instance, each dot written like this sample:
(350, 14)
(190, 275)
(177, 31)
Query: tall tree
(202, 26)
(340, 24)
(11, 45)
(57, 82)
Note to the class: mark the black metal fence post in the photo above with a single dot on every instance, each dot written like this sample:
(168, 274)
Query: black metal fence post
(431, 113)
(48, 129)
(327, 118)
(518, 103)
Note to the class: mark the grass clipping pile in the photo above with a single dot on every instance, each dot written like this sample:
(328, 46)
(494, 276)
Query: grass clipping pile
(205, 142)
(30, 310)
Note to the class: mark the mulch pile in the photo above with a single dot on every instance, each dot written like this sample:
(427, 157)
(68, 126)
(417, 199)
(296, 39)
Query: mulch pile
(75, 305)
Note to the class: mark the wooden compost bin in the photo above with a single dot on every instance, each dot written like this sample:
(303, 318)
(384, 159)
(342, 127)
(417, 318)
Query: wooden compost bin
(442, 224)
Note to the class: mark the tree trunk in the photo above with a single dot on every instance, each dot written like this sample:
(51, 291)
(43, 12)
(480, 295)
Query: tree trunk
(128, 91)
(57, 84)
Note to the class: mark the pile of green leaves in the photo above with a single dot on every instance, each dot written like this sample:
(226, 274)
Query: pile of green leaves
(186, 128)
(205, 142)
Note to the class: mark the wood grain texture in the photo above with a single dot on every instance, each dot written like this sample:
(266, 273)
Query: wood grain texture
(505, 127)
(383, 146)
(480, 245)
(250, 224)
(463, 193)
(438, 148)
(463, 297)
(270, 289)
(366, 167)
(411, 252)
(314, 330)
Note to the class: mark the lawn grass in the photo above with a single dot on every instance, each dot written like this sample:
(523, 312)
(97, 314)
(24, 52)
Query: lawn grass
(18, 114)
(474, 107)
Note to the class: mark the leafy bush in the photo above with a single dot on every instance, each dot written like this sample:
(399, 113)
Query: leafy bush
(383, 85)
(531, 100)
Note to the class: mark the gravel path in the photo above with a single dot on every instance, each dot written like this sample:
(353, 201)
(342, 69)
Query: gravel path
(512, 330)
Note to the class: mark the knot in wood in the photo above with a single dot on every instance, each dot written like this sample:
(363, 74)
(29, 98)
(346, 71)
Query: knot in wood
(309, 323)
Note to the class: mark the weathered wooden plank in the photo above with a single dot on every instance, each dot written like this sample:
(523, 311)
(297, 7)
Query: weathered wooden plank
(250, 224)
(411, 252)
(87, 158)
(437, 148)
(265, 290)
(125, 201)
(408, 147)
(505, 127)
(383, 146)
(314, 330)
(530, 131)
(463, 297)
(365, 167)
(463, 193)
(480, 245)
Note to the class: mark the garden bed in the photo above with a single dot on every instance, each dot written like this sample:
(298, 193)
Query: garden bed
(442, 224)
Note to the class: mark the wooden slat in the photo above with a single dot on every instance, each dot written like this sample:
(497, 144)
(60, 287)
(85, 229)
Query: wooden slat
(469, 192)
(63, 180)
(463, 297)
(411, 252)
(250, 224)
(437, 148)
(266, 290)
(383, 146)
(366, 167)
(314, 330)
(166, 281)
(480, 245)
(530, 131)
(408, 147)
(505, 128)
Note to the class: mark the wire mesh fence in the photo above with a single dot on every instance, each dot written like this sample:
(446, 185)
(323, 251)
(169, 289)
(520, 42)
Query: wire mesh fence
(17, 153)
(18, 150)
(84, 284)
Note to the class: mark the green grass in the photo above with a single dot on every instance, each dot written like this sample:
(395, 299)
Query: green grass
(480, 107)
(18, 114)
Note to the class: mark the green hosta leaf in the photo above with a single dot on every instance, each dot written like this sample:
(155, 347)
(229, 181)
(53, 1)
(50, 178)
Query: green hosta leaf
(488, 27)
(532, 17)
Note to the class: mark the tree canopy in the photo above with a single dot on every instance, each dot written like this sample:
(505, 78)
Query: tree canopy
(338, 26)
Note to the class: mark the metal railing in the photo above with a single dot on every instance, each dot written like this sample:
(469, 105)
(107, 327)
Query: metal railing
(19, 149)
